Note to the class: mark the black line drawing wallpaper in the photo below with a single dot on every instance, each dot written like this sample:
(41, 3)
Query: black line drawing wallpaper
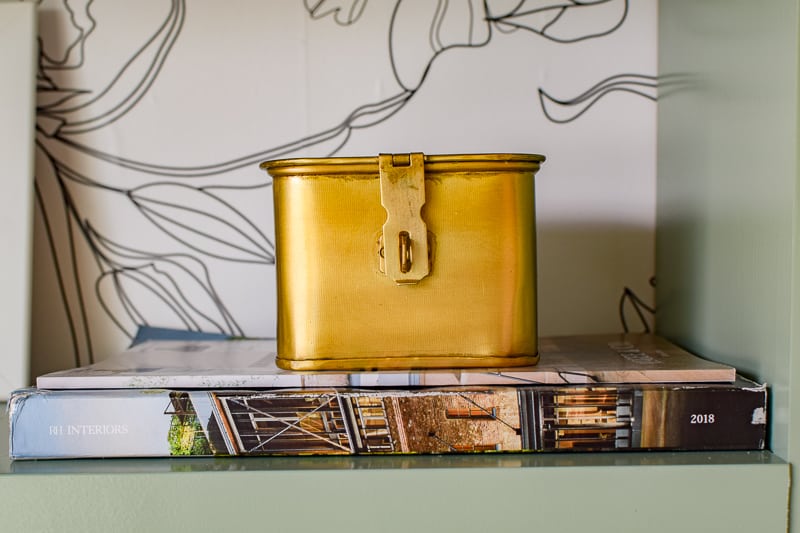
(150, 205)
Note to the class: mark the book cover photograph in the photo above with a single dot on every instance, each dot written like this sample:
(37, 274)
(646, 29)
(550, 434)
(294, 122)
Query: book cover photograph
(600, 417)
(222, 364)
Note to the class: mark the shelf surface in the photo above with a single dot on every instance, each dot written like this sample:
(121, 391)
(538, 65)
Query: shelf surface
(625, 491)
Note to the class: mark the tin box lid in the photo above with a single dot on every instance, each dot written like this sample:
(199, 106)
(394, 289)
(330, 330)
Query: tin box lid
(368, 166)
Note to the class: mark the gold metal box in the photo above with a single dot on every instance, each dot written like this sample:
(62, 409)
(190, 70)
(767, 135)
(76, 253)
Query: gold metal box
(405, 261)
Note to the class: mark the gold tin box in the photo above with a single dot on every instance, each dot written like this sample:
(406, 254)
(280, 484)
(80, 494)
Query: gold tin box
(405, 261)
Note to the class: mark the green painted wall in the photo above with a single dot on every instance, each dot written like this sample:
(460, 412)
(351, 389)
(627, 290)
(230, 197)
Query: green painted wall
(727, 239)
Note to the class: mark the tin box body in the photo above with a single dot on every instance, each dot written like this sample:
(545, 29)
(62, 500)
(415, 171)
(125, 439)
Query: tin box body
(405, 261)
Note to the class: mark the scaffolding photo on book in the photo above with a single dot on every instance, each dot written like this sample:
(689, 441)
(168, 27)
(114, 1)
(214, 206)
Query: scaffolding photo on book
(157, 422)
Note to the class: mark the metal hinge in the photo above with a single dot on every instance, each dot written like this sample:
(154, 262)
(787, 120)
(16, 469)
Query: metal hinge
(405, 234)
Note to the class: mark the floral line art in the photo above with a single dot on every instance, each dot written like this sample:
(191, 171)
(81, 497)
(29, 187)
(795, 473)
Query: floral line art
(196, 208)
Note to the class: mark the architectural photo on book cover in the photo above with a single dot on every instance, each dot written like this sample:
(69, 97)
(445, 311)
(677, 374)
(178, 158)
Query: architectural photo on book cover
(51, 424)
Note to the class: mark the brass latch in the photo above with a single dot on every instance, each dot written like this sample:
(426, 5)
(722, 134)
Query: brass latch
(405, 235)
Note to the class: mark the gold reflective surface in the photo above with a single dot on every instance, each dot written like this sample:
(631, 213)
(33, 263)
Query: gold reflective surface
(338, 310)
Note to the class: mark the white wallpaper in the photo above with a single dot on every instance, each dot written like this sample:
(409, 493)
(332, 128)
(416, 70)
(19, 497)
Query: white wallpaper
(151, 208)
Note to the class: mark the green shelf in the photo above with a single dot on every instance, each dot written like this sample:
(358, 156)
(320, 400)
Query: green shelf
(501, 492)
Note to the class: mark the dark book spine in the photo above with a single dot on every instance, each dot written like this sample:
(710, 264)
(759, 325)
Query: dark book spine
(352, 422)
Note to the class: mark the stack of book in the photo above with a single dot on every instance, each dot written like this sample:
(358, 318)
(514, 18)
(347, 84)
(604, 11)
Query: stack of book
(227, 397)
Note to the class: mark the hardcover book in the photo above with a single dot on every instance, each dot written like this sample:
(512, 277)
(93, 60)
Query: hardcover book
(225, 364)
(597, 417)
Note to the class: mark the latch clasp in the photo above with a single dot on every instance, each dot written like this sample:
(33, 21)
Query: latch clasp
(405, 234)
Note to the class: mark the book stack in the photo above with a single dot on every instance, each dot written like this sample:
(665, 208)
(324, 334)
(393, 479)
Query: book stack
(207, 397)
